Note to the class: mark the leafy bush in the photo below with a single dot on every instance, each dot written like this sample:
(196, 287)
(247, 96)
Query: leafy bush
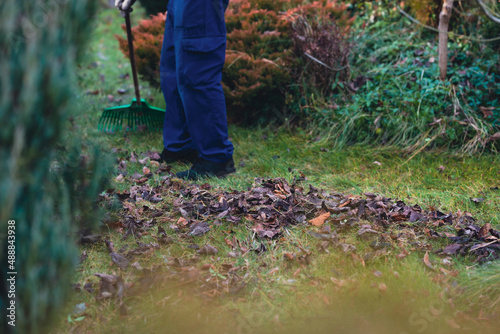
(47, 185)
(247, 82)
(397, 98)
(260, 59)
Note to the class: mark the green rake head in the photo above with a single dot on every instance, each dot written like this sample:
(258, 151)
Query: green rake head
(132, 117)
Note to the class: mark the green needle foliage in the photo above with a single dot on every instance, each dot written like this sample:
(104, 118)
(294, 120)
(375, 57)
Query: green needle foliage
(49, 183)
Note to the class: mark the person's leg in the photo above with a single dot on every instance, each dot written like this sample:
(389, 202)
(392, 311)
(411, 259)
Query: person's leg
(200, 46)
(176, 138)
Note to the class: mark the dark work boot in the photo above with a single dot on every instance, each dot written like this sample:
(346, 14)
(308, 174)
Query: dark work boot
(204, 168)
(169, 157)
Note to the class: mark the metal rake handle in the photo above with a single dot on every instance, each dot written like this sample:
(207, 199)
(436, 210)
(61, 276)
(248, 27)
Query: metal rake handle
(126, 14)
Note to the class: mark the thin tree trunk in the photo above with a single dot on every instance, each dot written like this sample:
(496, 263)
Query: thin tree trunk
(444, 20)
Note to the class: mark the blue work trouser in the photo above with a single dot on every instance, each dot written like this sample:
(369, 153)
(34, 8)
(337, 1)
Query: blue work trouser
(192, 57)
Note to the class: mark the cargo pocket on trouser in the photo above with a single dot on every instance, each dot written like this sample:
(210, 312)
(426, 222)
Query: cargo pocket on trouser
(202, 61)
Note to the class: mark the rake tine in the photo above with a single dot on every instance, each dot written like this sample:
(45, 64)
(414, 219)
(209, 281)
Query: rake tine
(148, 121)
(119, 122)
(131, 118)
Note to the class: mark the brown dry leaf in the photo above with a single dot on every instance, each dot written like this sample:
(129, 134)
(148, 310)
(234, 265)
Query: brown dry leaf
(207, 250)
(382, 287)
(427, 261)
(452, 323)
(119, 178)
(356, 257)
(182, 221)
(207, 266)
(377, 273)
(452, 273)
(146, 170)
(320, 220)
(451, 249)
(140, 181)
(338, 282)
(273, 271)
(144, 161)
(485, 230)
(345, 203)
(229, 243)
(233, 254)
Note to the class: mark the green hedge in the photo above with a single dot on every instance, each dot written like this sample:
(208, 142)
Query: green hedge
(47, 185)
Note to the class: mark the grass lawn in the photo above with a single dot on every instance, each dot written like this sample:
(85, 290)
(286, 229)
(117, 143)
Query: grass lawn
(293, 286)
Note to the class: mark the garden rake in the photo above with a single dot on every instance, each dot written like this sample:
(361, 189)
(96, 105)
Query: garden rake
(139, 112)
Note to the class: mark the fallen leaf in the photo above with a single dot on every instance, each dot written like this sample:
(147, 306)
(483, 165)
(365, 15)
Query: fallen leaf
(346, 248)
(452, 273)
(451, 249)
(382, 287)
(207, 250)
(427, 261)
(273, 271)
(452, 323)
(146, 170)
(485, 230)
(118, 259)
(477, 200)
(136, 265)
(208, 266)
(199, 229)
(358, 258)
(109, 286)
(377, 273)
(233, 254)
(377, 163)
(90, 239)
(182, 221)
(320, 220)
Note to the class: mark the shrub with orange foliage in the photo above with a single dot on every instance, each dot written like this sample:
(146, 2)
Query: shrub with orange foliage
(263, 58)
(148, 39)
